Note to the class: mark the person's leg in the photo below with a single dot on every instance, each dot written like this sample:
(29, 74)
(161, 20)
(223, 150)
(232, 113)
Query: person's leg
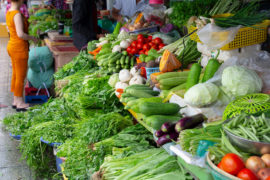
(21, 71)
(13, 79)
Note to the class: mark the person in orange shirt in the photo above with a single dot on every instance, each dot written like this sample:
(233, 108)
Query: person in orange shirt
(18, 48)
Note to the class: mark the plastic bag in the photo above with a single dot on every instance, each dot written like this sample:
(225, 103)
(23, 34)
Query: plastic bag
(155, 14)
(216, 37)
(168, 38)
(40, 59)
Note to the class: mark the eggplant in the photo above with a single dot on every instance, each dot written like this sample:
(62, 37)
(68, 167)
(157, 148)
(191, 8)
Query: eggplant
(159, 133)
(163, 140)
(167, 127)
(174, 135)
(189, 122)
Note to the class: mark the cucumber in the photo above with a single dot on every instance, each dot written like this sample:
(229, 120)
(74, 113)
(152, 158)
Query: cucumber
(115, 58)
(124, 53)
(136, 105)
(172, 74)
(128, 99)
(156, 121)
(151, 108)
(162, 87)
(126, 66)
(138, 94)
(131, 103)
(132, 61)
(118, 62)
(194, 75)
(179, 87)
(126, 95)
(210, 69)
(118, 66)
(138, 87)
(154, 93)
(122, 60)
(127, 60)
(103, 56)
(175, 81)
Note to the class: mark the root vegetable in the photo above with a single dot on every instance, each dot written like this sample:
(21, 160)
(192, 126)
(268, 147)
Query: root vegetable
(266, 159)
(255, 163)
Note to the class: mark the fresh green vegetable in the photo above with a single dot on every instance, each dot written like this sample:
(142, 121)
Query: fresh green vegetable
(240, 81)
(152, 108)
(175, 81)
(202, 94)
(139, 93)
(156, 121)
(194, 75)
(172, 75)
(211, 68)
(252, 128)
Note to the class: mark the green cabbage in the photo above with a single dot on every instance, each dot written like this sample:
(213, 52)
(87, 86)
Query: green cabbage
(202, 94)
(240, 81)
(113, 80)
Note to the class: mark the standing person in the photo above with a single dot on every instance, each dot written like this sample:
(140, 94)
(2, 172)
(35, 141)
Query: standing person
(23, 9)
(18, 48)
(127, 8)
(84, 22)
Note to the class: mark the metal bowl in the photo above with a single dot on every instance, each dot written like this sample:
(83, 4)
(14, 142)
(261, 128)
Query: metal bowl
(258, 148)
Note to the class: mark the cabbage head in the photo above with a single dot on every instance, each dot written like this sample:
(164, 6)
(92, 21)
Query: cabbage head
(202, 94)
(240, 81)
(113, 80)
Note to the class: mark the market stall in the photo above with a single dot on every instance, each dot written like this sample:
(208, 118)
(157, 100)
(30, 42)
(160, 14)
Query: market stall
(152, 102)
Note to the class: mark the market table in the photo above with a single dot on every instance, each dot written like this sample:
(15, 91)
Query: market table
(62, 49)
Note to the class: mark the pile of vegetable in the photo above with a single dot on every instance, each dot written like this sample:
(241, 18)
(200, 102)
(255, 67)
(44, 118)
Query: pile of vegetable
(255, 168)
(148, 165)
(250, 127)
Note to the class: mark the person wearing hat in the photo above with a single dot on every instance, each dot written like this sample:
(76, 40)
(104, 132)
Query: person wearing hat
(127, 8)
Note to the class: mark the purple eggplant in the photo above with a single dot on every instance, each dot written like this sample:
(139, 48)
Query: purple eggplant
(159, 133)
(189, 122)
(174, 135)
(167, 127)
(163, 140)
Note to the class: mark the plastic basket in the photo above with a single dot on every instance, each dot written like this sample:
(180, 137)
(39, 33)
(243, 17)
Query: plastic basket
(246, 36)
(150, 71)
(50, 144)
(36, 99)
(59, 161)
(17, 137)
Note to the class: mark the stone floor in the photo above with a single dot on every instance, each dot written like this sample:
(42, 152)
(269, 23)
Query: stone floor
(11, 167)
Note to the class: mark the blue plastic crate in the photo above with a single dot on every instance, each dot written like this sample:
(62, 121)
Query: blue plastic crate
(150, 71)
(50, 144)
(17, 137)
(36, 99)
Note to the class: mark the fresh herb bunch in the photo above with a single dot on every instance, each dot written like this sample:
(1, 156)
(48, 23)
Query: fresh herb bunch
(82, 62)
(38, 155)
(101, 127)
(247, 16)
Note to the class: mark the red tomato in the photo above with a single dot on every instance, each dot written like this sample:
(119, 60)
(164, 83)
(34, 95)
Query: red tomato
(247, 174)
(161, 46)
(232, 164)
(134, 44)
(140, 36)
(149, 38)
(129, 49)
(140, 41)
(158, 40)
(134, 50)
(146, 52)
(139, 46)
(141, 52)
(268, 178)
(150, 43)
(146, 47)
(219, 166)
(154, 47)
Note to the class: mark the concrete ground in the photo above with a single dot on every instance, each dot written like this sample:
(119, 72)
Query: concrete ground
(11, 167)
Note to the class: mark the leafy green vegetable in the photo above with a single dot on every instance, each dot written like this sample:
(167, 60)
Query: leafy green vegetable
(82, 62)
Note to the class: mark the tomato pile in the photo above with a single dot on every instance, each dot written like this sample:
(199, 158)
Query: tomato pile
(255, 168)
(143, 44)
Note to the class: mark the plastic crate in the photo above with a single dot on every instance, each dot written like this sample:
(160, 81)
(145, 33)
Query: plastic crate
(50, 144)
(246, 36)
(59, 161)
(31, 91)
(17, 137)
(36, 99)
(150, 71)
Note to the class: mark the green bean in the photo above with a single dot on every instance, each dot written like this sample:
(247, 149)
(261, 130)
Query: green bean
(266, 138)
(249, 134)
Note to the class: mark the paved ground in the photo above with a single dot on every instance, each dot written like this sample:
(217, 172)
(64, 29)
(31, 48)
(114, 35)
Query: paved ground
(11, 167)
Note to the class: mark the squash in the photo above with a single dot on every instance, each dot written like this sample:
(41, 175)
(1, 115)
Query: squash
(169, 62)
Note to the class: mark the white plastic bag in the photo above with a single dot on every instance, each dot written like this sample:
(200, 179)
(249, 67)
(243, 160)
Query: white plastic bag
(216, 37)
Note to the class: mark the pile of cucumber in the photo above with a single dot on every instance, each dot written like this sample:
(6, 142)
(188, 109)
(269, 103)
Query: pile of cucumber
(137, 91)
(116, 61)
(173, 80)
